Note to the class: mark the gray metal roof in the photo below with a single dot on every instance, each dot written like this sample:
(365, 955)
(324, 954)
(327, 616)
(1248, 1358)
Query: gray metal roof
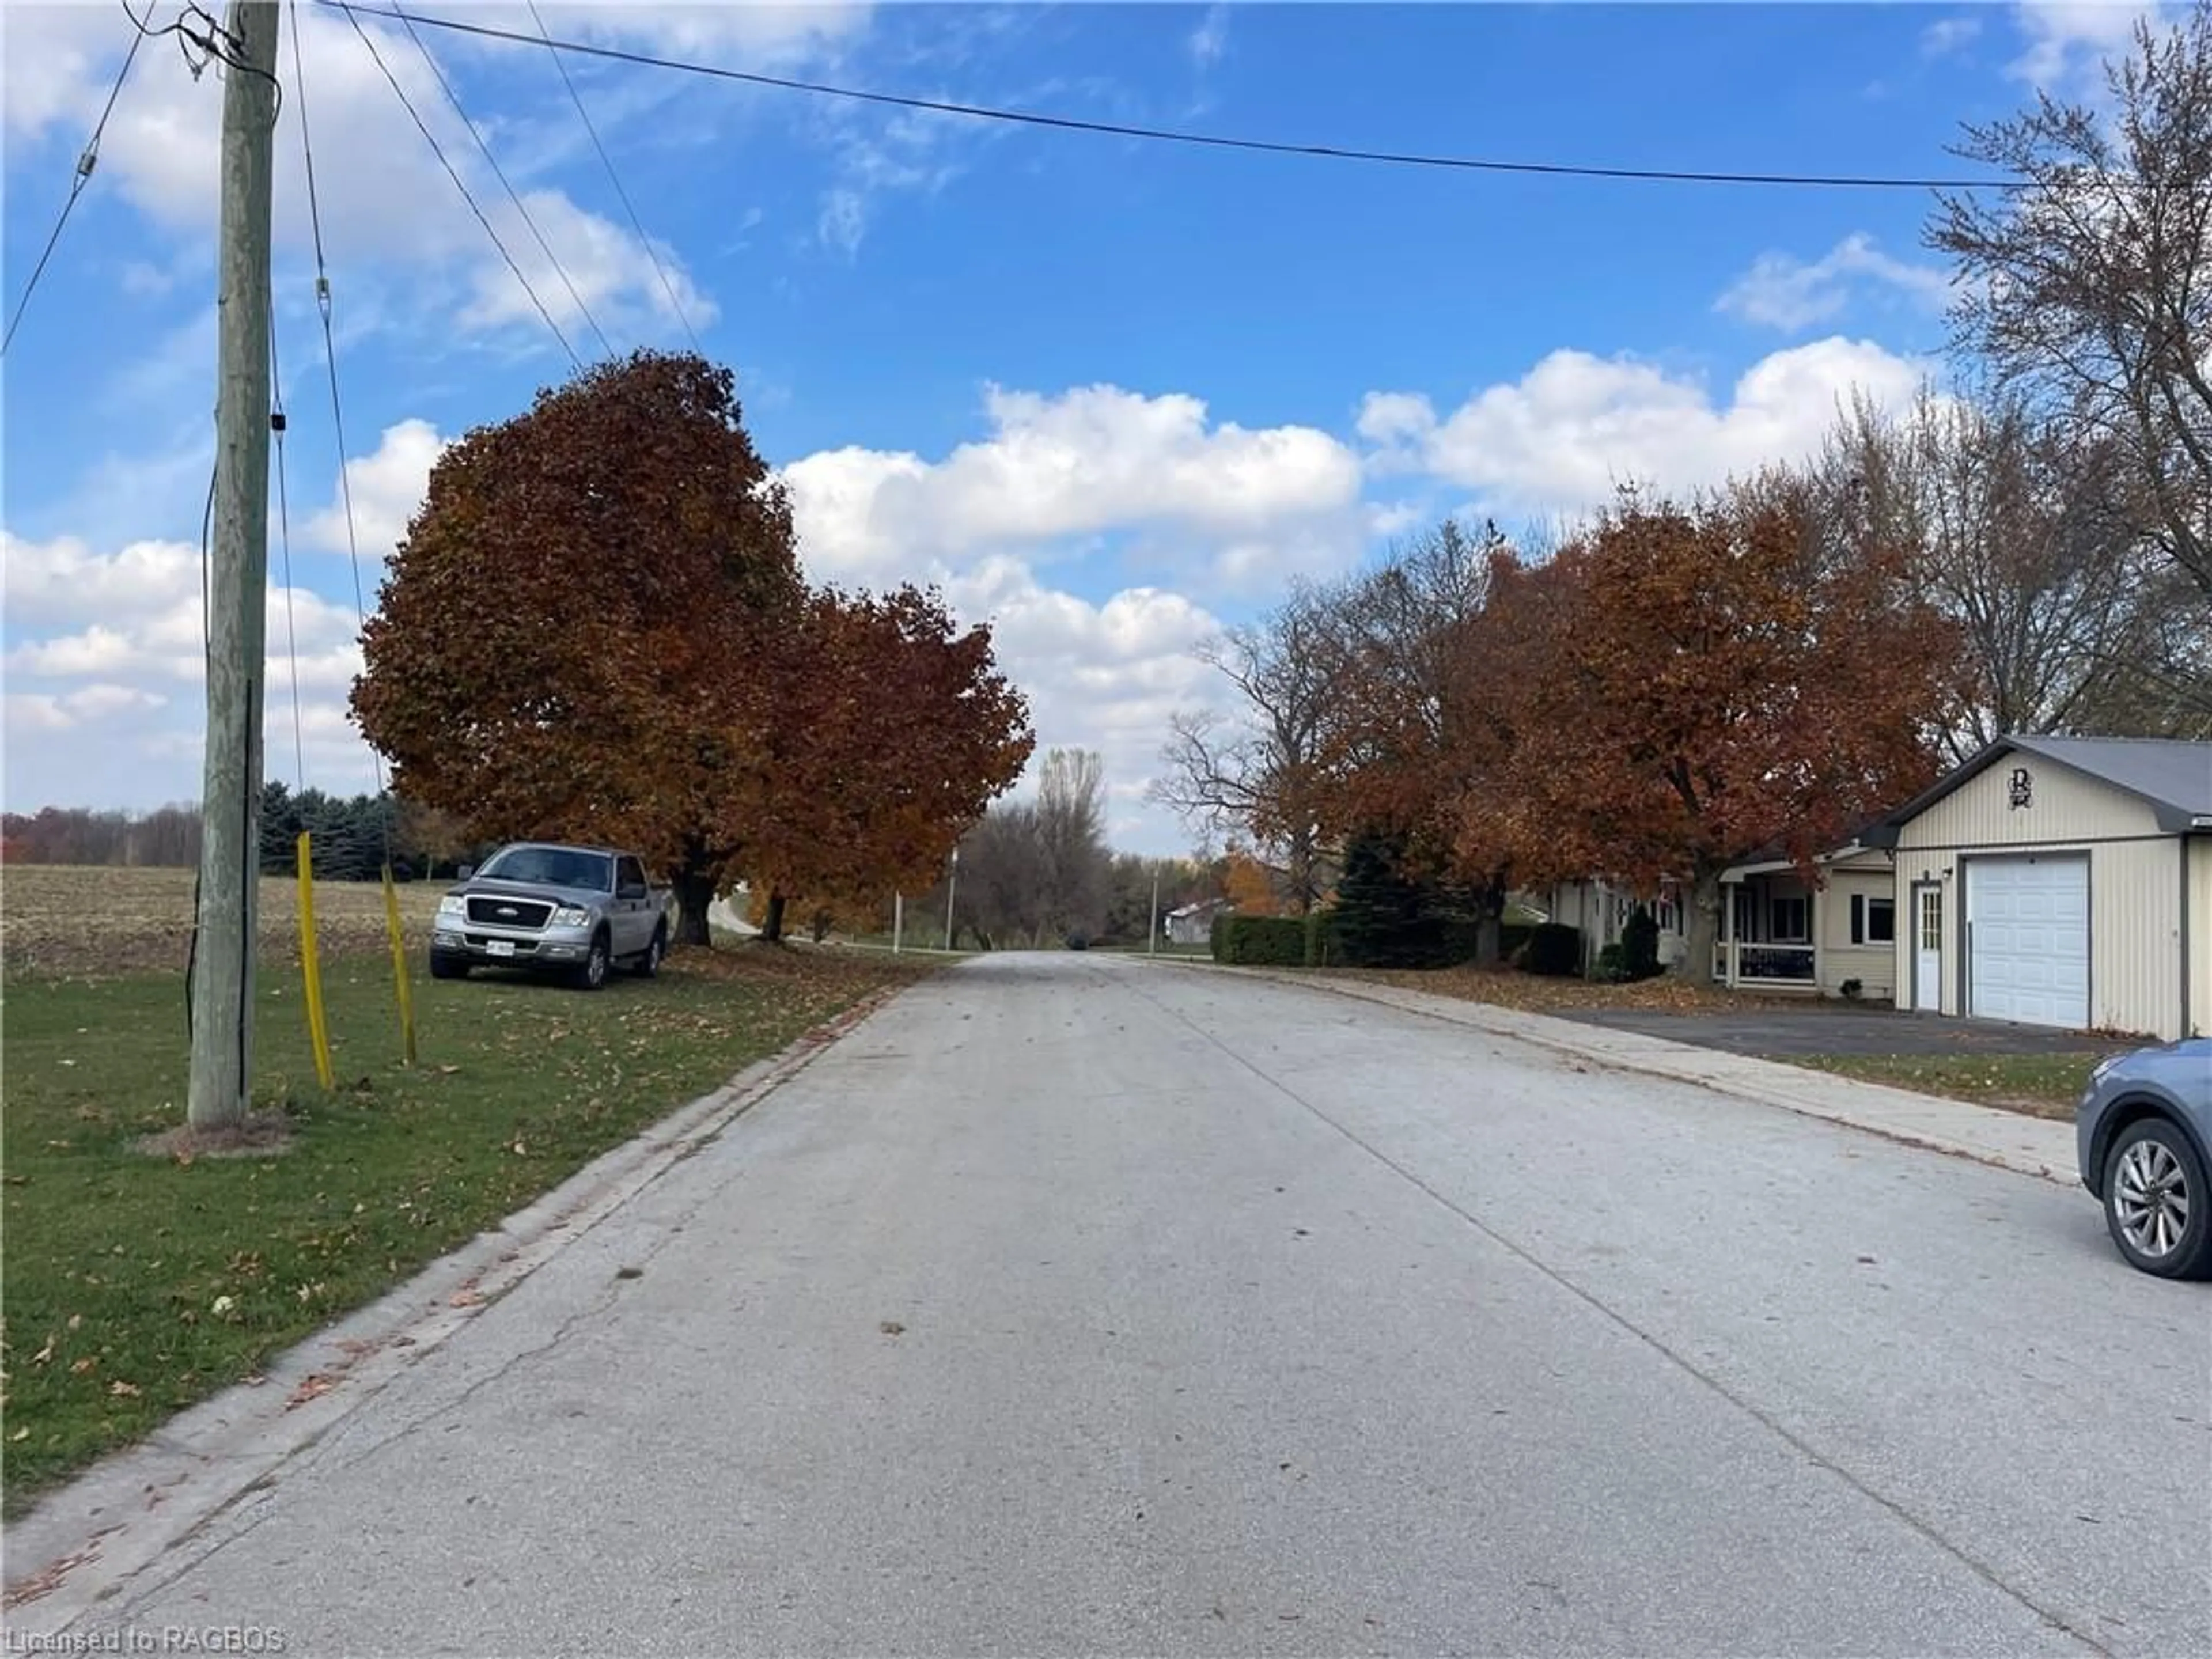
(2165, 771)
(2174, 777)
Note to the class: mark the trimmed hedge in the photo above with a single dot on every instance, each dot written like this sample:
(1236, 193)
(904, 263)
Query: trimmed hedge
(1554, 949)
(1260, 941)
(1324, 949)
(1639, 946)
(1463, 940)
(1316, 940)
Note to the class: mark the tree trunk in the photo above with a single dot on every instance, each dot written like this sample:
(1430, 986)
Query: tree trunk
(821, 925)
(1490, 925)
(771, 930)
(694, 895)
(1701, 925)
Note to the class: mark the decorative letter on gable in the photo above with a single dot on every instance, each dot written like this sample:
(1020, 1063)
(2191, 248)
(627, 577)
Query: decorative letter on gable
(2021, 788)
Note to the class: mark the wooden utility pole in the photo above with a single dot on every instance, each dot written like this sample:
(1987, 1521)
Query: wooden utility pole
(951, 886)
(230, 853)
(1152, 940)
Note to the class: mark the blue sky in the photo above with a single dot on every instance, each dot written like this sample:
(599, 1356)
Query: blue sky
(1110, 394)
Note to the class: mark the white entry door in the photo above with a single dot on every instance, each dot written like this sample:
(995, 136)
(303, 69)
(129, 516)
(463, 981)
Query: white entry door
(2028, 932)
(1928, 947)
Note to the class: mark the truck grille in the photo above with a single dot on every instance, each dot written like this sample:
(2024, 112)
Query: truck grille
(508, 912)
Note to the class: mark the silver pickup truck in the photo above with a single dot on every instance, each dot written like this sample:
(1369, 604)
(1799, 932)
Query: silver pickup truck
(575, 911)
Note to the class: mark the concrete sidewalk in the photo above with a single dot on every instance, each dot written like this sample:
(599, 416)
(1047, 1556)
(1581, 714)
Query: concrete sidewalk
(2006, 1140)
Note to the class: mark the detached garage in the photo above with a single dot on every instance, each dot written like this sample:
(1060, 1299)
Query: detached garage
(2061, 881)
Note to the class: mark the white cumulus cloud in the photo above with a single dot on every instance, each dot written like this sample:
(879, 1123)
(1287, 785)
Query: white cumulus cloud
(1210, 39)
(114, 644)
(1947, 35)
(1563, 437)
(1099, 676)
(2068, 40)
(1783, 291)
(387, 486)
(1078, 463)
(384, 197)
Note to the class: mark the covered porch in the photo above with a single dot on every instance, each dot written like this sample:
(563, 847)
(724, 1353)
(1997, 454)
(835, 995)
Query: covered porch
(1833, 937)
(1767, 940)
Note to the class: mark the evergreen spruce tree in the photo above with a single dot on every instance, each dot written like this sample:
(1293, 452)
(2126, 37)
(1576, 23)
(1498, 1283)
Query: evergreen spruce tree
(1385, 917)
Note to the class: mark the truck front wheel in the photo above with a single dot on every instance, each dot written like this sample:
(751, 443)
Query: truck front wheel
(594, 973)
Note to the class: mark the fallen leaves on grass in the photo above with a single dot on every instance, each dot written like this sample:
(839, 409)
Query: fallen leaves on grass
(375, 1186)
(256, 1135)
(2034, 1085)
(1537, 994)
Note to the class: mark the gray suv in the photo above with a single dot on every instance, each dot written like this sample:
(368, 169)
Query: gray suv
(2143, 1139)
(575, 911)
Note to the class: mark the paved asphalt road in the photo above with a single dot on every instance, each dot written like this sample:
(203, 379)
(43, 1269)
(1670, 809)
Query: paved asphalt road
(1076, 1305)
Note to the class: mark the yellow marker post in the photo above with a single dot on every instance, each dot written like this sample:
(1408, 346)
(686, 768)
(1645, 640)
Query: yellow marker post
(399, 965)
(311, 971)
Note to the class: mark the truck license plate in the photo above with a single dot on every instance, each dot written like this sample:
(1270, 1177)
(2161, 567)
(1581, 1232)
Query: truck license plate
(500, 947)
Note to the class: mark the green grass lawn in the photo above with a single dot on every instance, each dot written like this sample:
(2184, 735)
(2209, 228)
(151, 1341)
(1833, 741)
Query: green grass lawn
(135, 1287)
(2040, 1085)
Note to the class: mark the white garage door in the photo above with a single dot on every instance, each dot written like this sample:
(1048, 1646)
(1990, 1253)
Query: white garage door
(2028, 933)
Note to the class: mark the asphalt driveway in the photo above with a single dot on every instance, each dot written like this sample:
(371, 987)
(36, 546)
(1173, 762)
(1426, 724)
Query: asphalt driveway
(1843, 1028)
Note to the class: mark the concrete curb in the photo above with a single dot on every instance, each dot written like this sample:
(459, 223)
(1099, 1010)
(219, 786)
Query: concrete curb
(83, 1542)
(2004, 1140)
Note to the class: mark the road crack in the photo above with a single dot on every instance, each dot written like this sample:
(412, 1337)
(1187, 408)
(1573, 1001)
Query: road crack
(1764, 1418)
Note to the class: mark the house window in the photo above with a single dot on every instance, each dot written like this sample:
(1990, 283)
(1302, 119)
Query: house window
(1747, 915)
(1790, 920)
(1873, 920)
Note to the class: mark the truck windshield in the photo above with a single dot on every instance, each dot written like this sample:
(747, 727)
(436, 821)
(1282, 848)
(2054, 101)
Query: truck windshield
(553, 866)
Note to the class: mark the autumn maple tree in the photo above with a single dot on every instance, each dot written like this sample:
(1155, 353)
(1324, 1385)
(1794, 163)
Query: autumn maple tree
(895, 730)
(596, 629)
(1248, 885)
(1695, 685)
(1419, 731)
(570, 643)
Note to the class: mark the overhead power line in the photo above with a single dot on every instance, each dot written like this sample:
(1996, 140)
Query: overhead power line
(86, 161)
(1177, 135)
(513, 195)
(438, 150)
(645, 242)
(278, 423)
(330, 340)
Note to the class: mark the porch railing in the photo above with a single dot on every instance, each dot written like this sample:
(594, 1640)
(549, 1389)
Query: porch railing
(1768, 964)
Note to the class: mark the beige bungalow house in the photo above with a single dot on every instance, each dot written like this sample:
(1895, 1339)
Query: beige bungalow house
(1777, 931)
(1600, 911)
(2063, 882)
(1835, 937)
